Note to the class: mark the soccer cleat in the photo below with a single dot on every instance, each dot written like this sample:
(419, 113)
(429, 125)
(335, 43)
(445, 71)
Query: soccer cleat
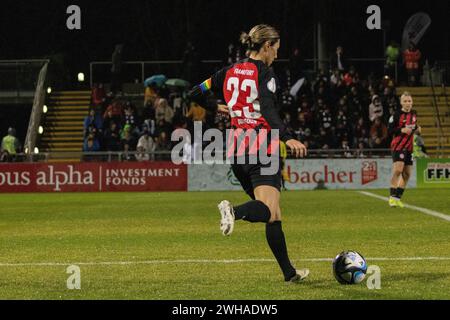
(299, 276)
(227, 220)
(400, 203)
(392, 202)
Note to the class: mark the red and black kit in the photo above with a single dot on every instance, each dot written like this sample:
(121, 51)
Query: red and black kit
(249, 89)
(402, 144)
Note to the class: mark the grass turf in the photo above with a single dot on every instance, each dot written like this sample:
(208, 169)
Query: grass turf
(166, 228)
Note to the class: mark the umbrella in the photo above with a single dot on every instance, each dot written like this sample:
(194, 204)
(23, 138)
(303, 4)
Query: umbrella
(178, 83)
(158, 80)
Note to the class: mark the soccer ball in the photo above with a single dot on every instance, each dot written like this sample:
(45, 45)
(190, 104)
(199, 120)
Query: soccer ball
(349, 267)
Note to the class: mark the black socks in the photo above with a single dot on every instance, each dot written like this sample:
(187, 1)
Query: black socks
(252, 211)
(400, 192)
(277, 243)
(397, 192)
(393, 192)
(257, 211)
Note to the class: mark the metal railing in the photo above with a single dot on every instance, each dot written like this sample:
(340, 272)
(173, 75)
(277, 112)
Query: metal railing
(443, 66)
(137, 71)
(18, 77)
(122, 156)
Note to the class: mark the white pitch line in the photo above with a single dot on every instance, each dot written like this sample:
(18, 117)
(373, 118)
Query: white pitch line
(200, 261)
(420, 209)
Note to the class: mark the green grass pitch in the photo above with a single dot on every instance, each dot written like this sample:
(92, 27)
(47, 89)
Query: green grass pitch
(176, 251)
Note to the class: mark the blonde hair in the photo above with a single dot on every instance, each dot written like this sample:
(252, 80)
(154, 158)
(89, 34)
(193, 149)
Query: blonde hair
(406, 94)
(259, 35)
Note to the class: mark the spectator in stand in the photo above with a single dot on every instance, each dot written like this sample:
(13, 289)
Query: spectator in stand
(412, 57)
(341, 125)
(324, 139)
(91, 143)
(162, 144)
(127, 142)
(300, 124)
(335, 77)
(360, 132)
(98, 96)
(305, 109)
(378, 134)
(10, 146)
(338, 60)
(375, 108)
(150, 95)
(392, 54)
(350, 76)
(326, 118)
(360, 150)
(163, 111)
(92, 121)
(389, 100)
(339, 90)
(196, 112)
(344, 146)
(131, 119)
(112, 138)
(308, 139)
(163, 126)
(145, 146)
(116, 109)
(108, 120)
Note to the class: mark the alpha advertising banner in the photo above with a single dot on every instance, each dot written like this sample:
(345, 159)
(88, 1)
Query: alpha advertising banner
(433, 173)
(93, 177)
(305, 174)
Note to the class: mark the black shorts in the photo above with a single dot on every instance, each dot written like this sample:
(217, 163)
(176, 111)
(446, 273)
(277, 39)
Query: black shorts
(250, 177)
(404, 156)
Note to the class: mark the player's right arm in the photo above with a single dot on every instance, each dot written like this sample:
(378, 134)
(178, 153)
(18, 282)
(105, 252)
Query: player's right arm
(270, 112)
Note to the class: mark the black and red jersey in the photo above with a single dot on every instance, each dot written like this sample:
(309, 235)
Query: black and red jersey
(249, 88)
(398, 121)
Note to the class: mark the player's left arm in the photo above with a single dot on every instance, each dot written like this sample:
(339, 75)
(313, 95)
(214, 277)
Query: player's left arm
(213, 84)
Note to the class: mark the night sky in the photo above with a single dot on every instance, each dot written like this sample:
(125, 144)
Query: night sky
(158, 30)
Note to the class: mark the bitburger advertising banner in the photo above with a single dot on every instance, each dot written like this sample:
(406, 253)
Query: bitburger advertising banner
(93, 177)
(304, 175)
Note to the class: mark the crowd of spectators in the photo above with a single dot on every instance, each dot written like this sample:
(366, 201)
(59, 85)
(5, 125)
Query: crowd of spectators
(335, 110)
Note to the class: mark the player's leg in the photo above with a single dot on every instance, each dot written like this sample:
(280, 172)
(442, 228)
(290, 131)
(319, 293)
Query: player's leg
(397, 169)
(404, 178)
(270, 196)
(251, 211)
(403, 182)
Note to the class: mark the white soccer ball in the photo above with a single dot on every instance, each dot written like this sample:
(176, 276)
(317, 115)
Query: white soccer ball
(349, 267)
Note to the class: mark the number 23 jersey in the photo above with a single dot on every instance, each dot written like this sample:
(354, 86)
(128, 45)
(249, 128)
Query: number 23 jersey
(249, 89)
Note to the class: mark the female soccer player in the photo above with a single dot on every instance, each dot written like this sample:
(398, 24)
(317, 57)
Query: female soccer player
(402, 126)
(249, 89)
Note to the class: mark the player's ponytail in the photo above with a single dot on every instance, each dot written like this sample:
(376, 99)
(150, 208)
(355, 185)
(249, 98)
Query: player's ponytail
(258, 35)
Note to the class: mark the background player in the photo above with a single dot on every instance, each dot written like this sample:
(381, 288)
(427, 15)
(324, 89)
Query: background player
(249, 88)
(402, 126)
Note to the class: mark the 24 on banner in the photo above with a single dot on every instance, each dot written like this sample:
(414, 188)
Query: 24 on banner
(93, 177)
